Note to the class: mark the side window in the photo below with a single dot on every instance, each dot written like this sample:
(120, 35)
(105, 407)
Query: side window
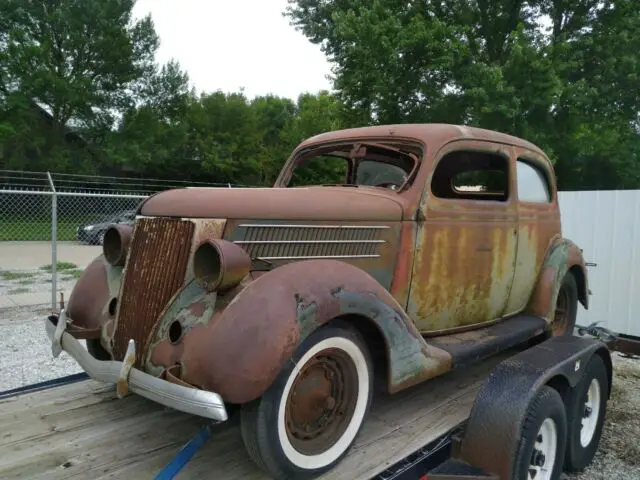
(472, 175)
(323, 169)
(532, 183)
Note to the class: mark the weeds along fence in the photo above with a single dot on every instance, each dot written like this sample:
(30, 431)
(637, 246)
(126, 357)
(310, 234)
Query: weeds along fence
(48, 223)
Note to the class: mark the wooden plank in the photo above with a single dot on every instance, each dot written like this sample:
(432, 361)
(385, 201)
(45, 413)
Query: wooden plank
(83, 431)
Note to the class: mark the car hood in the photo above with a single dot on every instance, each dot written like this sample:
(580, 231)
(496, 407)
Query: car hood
(312, 203)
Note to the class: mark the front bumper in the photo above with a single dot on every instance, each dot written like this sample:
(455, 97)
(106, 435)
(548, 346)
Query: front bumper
(189, 400)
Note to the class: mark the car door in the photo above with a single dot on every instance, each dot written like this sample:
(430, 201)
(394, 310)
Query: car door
(538, 223)
(467, 238)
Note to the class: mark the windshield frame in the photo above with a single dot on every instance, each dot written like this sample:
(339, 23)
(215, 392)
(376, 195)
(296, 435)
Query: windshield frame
(411, 149)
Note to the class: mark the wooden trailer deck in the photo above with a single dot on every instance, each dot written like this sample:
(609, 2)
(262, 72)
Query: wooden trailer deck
(82, 430)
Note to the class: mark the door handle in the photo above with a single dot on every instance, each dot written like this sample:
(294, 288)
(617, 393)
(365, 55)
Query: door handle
(483, 248)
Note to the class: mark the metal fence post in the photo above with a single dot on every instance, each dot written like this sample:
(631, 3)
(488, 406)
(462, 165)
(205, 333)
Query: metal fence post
(54, 240)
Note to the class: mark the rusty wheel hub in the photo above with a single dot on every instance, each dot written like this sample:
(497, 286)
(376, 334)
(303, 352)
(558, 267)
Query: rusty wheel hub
(561, 315)
(321, 402)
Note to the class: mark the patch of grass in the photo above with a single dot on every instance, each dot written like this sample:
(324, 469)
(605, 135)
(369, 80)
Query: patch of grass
(17, 291)
(39, 229)
(72, 274)
(26, 282)
(60, 267)
(7, 275)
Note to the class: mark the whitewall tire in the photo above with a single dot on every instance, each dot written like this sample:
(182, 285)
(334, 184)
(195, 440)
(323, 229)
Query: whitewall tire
(310, 416)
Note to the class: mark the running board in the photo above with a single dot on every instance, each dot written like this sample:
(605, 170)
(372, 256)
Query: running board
(475, 345)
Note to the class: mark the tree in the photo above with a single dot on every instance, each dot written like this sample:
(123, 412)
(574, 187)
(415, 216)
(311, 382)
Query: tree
(569, 88)
(80, 60)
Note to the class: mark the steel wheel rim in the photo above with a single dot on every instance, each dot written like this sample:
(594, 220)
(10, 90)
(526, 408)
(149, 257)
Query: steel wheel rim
(543, 457)
(321, 402)
(560, 318)
(590, 413)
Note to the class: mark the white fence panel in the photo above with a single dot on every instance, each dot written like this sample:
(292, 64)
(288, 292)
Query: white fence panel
(606, 225)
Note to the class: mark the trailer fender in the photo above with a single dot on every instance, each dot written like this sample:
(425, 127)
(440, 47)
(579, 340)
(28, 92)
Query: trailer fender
(493, 429)
(239, 352)
(562, 256)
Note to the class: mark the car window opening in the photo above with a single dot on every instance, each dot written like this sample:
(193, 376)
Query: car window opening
(361, 164)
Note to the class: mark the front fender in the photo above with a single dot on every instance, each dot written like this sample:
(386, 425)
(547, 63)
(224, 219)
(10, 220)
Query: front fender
(562, 256)
(239, 352)
(88, 305)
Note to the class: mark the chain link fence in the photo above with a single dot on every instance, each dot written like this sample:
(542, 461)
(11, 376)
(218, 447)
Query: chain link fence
(51, 227)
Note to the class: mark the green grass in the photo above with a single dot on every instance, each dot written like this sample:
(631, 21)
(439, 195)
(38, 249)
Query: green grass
(15, 275)
(72, 274)
(39, 229)
(26, 282)
(60, 267)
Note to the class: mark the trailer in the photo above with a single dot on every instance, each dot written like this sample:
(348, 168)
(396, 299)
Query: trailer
(462, 425)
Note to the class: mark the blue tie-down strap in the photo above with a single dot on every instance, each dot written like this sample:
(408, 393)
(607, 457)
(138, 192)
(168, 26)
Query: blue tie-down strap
(184, 455)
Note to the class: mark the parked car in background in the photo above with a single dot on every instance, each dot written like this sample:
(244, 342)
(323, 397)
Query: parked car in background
(93, 233)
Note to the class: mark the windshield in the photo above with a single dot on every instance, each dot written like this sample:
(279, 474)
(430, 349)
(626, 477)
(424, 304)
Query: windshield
(354, 164)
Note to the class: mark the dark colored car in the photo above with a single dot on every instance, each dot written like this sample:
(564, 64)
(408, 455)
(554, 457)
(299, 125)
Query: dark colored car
(93, 233)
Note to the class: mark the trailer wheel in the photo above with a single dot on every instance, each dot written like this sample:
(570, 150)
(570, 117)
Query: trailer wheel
(542, 438)
(564, 318)
(308, 419)
(586, 408)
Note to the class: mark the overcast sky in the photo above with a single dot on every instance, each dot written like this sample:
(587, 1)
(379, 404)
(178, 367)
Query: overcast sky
(227, 45)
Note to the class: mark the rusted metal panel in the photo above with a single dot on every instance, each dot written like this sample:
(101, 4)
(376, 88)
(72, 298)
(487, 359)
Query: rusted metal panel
(300, 241)
(372, 247)
(464, 253)
(155, 271)
(313, 203)
(277, 311)
(562, 255)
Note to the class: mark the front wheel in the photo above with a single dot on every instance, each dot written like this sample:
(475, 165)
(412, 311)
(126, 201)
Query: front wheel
(310, 416)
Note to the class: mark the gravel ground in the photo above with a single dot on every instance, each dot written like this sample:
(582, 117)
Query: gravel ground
(27, 358)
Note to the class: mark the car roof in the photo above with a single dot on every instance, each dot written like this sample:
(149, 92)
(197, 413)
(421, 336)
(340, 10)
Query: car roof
(431, 134)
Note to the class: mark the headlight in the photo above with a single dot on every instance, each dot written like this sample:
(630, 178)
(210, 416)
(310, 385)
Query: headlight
(116, 244)
(220, 265)
(88, 228)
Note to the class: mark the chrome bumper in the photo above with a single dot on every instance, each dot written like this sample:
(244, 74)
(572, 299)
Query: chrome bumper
(186, 399)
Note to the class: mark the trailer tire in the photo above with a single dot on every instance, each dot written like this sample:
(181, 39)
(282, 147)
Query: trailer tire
(543, 434)
(337, 397)
(586, 408)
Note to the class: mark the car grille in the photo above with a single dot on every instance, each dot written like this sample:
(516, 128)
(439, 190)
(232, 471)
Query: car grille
(156, 268)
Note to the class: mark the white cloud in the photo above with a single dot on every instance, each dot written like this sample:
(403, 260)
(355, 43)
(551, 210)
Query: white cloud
(227, 45)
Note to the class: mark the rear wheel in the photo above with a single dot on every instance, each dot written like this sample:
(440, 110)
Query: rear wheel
(586, 410)
(310, 416)
(564, 319)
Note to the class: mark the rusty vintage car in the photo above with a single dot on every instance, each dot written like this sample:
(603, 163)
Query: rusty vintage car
(395, 253)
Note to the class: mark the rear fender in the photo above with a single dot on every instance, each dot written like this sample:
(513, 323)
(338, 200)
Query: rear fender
(239, 352)
(562, 256)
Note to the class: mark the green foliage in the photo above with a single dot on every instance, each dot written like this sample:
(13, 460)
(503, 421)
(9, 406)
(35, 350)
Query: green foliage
(572, 89)
(80, 91)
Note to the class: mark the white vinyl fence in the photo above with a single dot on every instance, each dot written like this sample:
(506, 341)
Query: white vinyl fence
(606, 225)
